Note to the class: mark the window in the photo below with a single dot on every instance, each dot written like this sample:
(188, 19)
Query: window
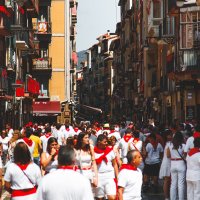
(157, 12)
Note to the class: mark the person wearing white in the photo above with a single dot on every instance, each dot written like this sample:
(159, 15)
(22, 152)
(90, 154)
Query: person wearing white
(65, 183)
(178, 167)
(4, 140)
(22, 176)
(193, 171)
(10, 131)
(130, 177)
(44, 138)
(107, 169)
(124, 144)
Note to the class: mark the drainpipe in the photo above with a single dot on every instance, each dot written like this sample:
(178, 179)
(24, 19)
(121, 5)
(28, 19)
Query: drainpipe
(67, 50)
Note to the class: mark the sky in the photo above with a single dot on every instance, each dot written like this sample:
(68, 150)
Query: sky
(95, 17)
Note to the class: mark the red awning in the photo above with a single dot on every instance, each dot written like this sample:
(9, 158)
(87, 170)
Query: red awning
(74, 57)
(45, 108)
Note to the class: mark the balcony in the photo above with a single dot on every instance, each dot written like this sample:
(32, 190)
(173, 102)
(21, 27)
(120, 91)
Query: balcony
(43, 31)
(74, 15)
(22, 40)
(42, 64)
(189, 60)
(4, 25)
(32, 7)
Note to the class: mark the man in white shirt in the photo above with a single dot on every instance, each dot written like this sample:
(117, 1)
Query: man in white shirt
(65, 182)
(10, 131)
(45, 138)
(107, 169)
(130, 177)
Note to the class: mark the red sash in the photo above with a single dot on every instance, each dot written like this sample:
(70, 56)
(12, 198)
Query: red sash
(24, 192)
(128, 166)
(193, 151)
(102, 157)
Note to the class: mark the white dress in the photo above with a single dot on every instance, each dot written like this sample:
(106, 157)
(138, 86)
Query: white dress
(166, 163)
(84, 161)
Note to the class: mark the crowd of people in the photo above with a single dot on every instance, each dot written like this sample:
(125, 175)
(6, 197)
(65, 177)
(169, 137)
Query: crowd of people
(100, 161)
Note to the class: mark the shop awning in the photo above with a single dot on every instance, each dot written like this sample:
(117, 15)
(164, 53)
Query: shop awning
(45, 108)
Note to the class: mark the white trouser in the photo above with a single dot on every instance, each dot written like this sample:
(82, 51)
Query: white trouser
(193, 190)
(178, 174)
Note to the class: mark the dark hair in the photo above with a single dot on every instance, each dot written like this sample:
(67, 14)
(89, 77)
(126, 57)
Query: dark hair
(58, 126)
(48, 129)
(36, 133)
(101, 138)
(136, 134)
(152, 136)
(177, 141)
(197, 142)
(22, 154)
(128, 130)
(80, 137)
(197, 128)
(70, 142)
(28, 132)
(66, 155)
(50, 141)
(130, 155)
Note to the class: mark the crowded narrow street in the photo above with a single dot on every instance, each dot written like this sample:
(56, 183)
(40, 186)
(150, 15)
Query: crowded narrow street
(99, 99)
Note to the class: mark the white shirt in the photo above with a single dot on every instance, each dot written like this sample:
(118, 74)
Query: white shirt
(106, 170)
(60, 137)
(136, 145)
(64, 185)
(44, 140)
(131, 181)
(4, 141)
(18, 180)
(174, 153)
(10, 133)
(31, 148)
(153, 156)
(193, 167)
(189, 144)
(124, 147)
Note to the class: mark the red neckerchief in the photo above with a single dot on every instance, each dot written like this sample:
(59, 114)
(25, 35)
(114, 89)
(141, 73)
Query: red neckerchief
(67, 129)
(74, 168)
(105, 152)
(135, 140)
(112, 131)
(28, 141)
(154, 144)
(22, 166)
(47, 135)
(76, 129)
(127, 138)
(98, 129)
(193, 151)
(196, 134)
(128, 166)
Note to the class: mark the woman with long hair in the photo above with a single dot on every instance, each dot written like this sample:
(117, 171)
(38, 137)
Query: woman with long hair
(49, 159)
(85, 159)
(22, 176)
(178, 166)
